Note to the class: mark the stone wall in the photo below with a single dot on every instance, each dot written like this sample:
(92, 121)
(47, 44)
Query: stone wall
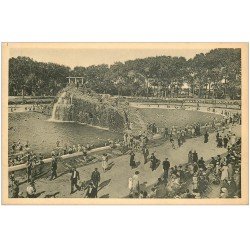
(90, 108)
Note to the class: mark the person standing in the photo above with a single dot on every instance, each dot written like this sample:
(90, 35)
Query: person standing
(104, 162)
(201, 163)
(95, 178)
(233, 139)
(132, 160)
(29, 170)
(190, 157)
(166, 133)
(91, 191)
(136, 183)
(12, 178)
(40, 162)
(172, 141)
(166, 166)
(224, 173)
(153, 162)
(217, 136)
(193, 131)
(219, 142)
(230, 171)
(206, 135)
(179, 141)
(213, 162)
(125, 139)
(195, 156)
(75, 177)
(225, 141)
(145, 153)
(53, 168)
(130, 185)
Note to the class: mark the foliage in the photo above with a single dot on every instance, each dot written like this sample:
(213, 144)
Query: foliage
(216, 74)
(29, 77)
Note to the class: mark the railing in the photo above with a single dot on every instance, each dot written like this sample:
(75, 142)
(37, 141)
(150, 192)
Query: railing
(67, 156)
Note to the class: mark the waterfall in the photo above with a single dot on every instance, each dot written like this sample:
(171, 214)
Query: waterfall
(62, 108)
(53, 117)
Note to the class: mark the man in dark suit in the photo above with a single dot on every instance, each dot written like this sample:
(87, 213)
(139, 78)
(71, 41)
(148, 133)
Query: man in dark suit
(195, 157)
(74, 178)
(96, 177)
(166, 166)
(153, 162)
(145, 153)
(91, 191)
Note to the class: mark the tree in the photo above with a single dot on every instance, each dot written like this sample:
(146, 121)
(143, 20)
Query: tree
(216, 74)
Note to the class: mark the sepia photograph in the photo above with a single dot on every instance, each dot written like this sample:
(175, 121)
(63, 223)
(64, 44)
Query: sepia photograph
(125, 123)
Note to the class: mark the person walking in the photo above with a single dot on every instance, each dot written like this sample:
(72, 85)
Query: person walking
(166, 166)
(53, 168)
(195, 156)
(132, 160)
(201, 163)
(166, 133)
(75, 177)
(153, 162)
(219, 142)
(225, 141)
(130, 185)
(96, 177)
(190, 157)
(104, 162)
(29, 170)
(206, 135)
(145, 153)
(136, 183)
(172, 141)
(224, 173)
(91, 191)
(217, 136)
(179, 141)
(233, 139)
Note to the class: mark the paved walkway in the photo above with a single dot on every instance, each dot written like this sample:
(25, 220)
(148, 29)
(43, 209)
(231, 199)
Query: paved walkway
(114, 182)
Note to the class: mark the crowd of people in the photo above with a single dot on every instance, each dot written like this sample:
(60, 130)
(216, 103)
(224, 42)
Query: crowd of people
(195, 179)
(191, 180)
(37, 107)
(22, 154)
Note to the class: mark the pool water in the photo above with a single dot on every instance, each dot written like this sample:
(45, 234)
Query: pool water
(43, 134)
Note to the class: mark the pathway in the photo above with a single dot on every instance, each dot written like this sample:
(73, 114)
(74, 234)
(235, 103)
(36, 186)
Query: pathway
(114, 182)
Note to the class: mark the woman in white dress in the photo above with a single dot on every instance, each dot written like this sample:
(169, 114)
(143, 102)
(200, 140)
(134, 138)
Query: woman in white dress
(224, 173)
(195, 182)
(136, 183)
(104, 162)
(130, 185)
(233, 139)
(193, 131)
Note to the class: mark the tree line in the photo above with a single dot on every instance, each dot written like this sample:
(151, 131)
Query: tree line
(216, 74)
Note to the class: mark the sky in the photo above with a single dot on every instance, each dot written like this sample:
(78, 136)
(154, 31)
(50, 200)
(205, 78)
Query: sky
(93, 56)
